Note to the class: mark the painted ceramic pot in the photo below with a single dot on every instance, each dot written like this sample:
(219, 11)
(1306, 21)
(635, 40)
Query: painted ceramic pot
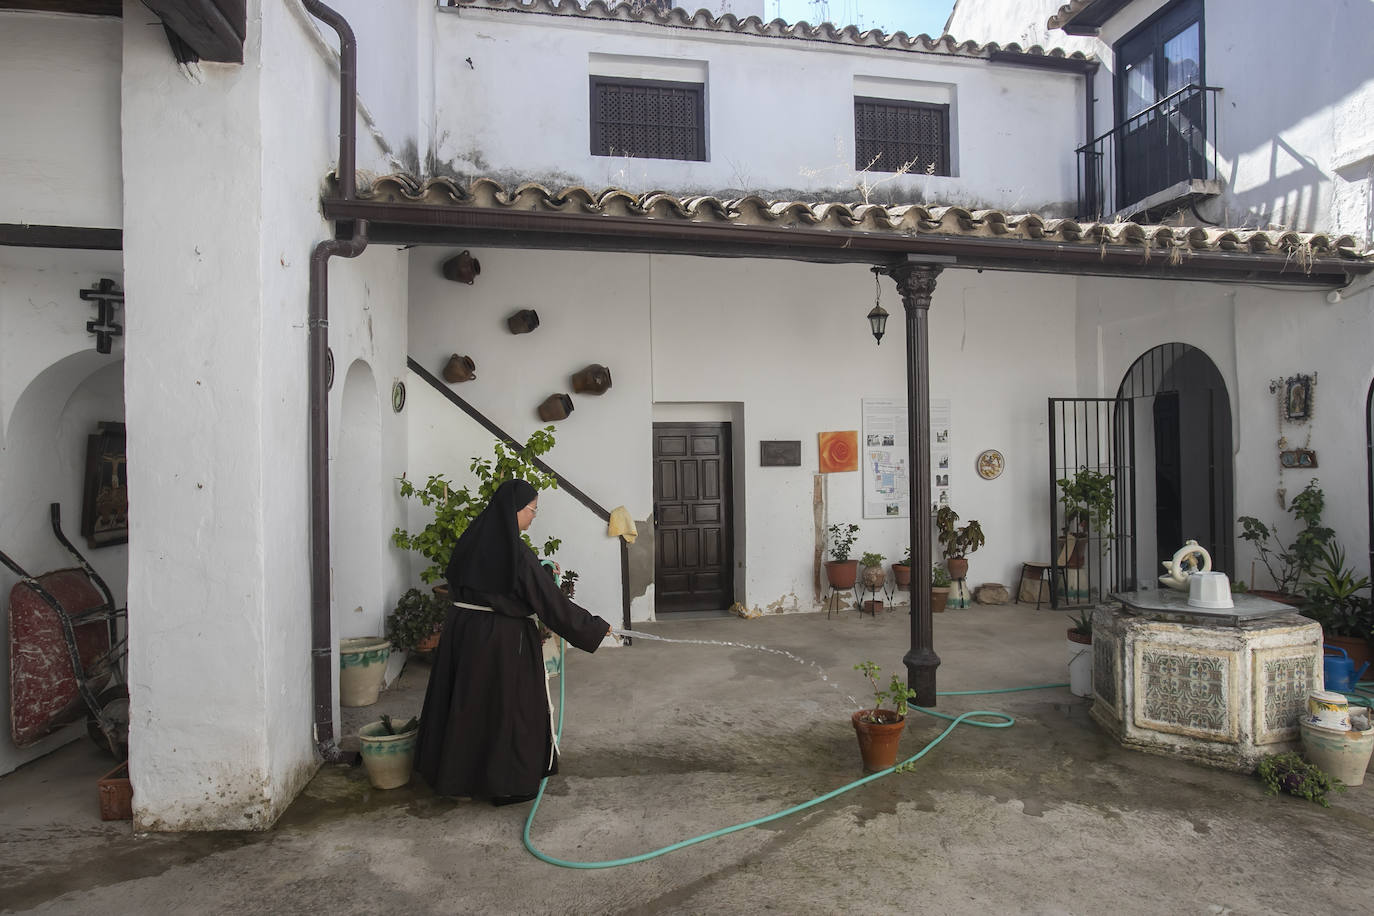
(388, 758)
(362, 666)
(463, 268)
(874, 577)
(460, 369)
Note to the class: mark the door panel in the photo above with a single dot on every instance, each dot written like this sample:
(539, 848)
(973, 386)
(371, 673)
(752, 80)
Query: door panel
(693, 553)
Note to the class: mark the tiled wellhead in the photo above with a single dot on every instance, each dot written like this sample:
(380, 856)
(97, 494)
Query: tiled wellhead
(1221, 692)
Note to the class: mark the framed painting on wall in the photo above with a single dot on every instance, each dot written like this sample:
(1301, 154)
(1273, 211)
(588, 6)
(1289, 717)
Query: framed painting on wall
(105, 498)
(839, 451)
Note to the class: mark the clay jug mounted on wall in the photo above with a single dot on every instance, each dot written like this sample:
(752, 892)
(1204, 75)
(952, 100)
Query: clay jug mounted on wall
(460, 369)
(594, 379)
(555, 407)
(462, 268)
(523, 321)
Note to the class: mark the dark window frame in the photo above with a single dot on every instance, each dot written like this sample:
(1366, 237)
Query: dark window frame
(944, 168)
(698, 154)
(1174, 17)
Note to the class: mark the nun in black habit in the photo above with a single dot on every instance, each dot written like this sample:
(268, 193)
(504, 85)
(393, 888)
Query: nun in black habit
(485, 730)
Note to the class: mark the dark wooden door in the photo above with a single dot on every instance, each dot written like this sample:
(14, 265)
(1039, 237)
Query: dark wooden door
(693, 547)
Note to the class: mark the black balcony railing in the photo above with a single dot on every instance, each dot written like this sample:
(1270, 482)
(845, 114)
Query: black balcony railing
(1170, 142)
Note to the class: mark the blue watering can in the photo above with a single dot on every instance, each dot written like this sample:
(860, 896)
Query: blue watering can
(1339, 671)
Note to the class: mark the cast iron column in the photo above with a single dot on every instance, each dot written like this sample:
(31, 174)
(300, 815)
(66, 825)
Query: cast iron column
(916, 283)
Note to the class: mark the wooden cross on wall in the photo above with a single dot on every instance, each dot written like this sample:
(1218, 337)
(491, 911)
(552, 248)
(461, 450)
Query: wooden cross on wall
(106, 298)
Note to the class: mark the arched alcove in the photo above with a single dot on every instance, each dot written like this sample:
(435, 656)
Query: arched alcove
(1183, 464)
(358, 534)
(45, 441)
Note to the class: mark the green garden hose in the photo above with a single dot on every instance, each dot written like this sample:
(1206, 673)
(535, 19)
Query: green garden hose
(1001, 720)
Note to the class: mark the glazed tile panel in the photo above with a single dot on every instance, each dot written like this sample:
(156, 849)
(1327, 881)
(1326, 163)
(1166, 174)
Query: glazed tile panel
(1186, 693)
(1282, 683)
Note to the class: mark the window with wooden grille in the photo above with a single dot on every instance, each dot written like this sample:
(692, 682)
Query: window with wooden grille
(648, 119)
(889, 133)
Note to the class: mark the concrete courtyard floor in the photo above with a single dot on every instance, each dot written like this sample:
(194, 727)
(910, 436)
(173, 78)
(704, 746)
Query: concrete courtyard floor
(667, 741)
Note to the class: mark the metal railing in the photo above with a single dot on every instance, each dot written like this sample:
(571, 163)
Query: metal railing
(1171, 141)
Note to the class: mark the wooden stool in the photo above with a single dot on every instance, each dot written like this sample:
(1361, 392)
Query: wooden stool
(1039, 573)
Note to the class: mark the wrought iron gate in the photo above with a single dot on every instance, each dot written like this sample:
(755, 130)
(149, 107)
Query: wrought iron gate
(1091, 436)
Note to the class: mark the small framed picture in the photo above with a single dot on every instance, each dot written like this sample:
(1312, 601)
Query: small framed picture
(1297, 397)
(780, 453)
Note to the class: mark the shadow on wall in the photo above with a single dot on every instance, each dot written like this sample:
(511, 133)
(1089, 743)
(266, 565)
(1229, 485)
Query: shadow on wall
(45, 461)
(1292, 200)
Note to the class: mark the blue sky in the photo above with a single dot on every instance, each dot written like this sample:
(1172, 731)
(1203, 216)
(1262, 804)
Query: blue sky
(910, 16)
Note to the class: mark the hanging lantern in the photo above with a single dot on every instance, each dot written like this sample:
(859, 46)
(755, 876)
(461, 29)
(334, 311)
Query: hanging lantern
(877, 319)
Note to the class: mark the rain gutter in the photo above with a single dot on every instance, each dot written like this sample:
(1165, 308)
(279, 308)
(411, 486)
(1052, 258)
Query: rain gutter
(321, 618)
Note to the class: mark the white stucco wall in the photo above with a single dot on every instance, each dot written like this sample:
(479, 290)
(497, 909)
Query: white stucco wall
(780, 349)
(59, 104)
(1021, 21)
(780, 114)
(54, 388)
(221, 702)
(1253, 335)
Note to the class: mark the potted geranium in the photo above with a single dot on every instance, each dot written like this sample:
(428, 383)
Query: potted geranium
(879, 730)
(416, 620)
(455, 508)
(841, 571)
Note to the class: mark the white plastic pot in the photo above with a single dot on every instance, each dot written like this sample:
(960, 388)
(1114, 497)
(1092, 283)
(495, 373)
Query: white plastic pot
(1080, 668)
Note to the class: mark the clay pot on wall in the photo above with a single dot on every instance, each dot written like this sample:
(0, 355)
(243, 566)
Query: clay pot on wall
(594, 379)
(460, 369)
(523, 321)
(463, 268)
(555, 407)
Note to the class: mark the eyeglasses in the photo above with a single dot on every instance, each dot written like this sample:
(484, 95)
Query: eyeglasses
(532, 509)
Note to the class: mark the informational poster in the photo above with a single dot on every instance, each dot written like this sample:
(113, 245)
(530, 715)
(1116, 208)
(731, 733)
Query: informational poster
(887, 481)
(939, 452)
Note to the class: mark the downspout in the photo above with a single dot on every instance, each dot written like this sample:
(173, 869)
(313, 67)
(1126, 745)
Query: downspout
(321, 622)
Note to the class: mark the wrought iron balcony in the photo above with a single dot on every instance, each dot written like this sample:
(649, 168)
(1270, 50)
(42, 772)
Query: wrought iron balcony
(1155, 161)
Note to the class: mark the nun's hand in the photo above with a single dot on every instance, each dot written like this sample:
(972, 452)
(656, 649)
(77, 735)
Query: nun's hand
(610, 634)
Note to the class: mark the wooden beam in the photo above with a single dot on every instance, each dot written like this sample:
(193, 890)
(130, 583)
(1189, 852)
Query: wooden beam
(111, 8)
(214, 29)
(25, 236)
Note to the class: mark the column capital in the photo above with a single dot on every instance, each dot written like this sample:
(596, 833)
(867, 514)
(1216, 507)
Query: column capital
(916, 283)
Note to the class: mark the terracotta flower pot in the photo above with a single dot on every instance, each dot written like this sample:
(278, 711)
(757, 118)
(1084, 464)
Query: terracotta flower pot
(902, 573)
(939, 597)
(842, 573)
(878, 740)
(1358, 649)
(957, 566)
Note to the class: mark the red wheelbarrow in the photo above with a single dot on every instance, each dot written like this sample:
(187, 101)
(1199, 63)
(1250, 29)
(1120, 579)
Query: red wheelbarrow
(66, 653)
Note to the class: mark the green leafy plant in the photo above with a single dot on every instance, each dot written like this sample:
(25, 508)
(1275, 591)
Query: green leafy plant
(896, 692)
(1290, 773)
(906, 557)
(1089, 500)
(1332, 596)
(417, 615)
(454, 509)
(841, 540)
(939, 577)
(1288, 566)
(871, 560)
(1083, 623)
(568, 584)
(1239, 587)
(390, 729)
(957, 541)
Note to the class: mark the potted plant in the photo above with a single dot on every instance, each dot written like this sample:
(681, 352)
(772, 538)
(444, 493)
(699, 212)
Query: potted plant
(841, 571)
(416, 620)
(901, 570)
(939, 588)
(957, 542)
(1288, 566)
(1331, 596)
(388, 751)
(1081, 654)
(879, 730)
(873, 574)
(454, 509)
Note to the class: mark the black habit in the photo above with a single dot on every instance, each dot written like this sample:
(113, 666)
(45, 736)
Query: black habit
(485, 727)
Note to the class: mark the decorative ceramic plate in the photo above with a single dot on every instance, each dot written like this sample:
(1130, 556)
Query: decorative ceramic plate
(990, 464)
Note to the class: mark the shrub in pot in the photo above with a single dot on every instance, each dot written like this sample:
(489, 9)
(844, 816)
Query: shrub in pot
(841, 571)
(939, 588)
(1289, 566)
(957, 542)
(873, 574)
(1332, 597)
(416, 620)
(880, 730)
(1081, 654)
(901, 570)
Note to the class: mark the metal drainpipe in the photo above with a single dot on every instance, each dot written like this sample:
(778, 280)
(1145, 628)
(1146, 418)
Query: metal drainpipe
(321, 622)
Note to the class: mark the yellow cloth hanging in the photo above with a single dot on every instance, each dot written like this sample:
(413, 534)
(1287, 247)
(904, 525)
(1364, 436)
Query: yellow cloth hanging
(622, 525)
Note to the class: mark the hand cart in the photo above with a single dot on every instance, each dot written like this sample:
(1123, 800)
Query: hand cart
(66, 653)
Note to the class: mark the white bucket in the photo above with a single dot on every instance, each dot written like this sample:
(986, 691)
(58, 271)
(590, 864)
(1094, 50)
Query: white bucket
(1080, 668)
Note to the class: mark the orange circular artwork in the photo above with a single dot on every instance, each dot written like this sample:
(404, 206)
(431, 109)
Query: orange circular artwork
(839, 451)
